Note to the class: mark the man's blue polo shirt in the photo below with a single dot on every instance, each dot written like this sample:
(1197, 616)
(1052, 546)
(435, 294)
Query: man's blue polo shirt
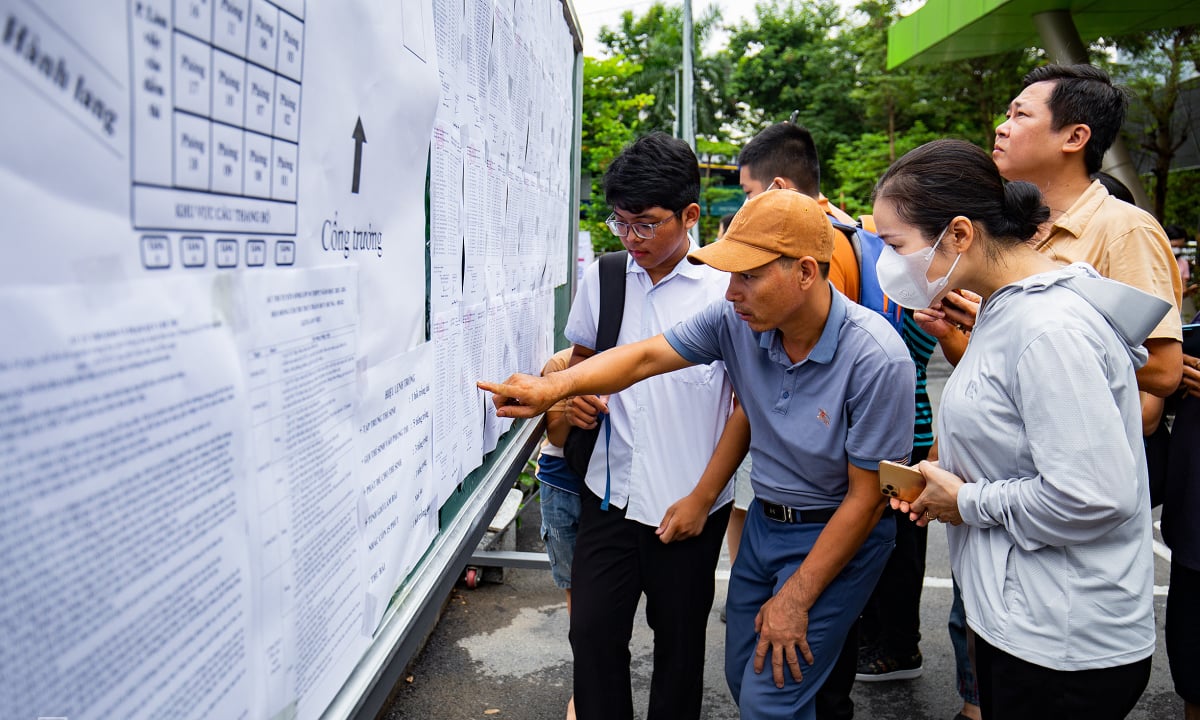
(849, 401)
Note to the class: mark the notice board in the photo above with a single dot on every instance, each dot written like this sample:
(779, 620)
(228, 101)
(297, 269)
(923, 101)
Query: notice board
(257, 252)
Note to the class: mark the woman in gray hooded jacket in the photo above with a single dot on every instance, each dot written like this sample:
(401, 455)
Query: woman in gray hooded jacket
(1041, 474)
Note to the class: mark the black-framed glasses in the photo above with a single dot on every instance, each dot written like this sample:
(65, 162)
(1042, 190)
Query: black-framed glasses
(645, 231)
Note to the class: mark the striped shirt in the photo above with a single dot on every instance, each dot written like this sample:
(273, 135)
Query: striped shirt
(920, 346)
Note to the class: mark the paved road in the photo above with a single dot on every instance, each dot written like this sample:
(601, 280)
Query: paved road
(501, 651)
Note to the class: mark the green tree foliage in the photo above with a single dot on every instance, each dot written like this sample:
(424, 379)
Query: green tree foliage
(654, 41)
(791, 59)
(811, 60)
(830, 70)
(712, 192)
(913, 105)
(1183, 202)
(611, 120)
(1158, 64)
(862, 161)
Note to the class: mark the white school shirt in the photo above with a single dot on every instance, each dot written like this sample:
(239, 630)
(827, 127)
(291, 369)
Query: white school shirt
(665, 428)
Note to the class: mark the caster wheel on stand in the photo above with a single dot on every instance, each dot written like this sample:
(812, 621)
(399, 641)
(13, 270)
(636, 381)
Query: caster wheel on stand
(472, 577)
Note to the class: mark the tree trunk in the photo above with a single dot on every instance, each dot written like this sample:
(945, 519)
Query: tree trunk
(1162, 173)
(891, 111)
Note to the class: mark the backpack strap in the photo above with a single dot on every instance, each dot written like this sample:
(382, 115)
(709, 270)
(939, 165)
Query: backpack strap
(867, 222)
(608, 326)
(612, 299)
(851, 234)
(867, 248)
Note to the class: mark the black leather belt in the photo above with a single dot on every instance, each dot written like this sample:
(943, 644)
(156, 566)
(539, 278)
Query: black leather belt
(785, 514)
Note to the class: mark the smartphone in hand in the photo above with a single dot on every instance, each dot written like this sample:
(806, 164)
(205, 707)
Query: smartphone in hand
(900, 481)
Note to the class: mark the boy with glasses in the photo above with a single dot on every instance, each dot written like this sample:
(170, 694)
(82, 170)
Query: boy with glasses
(640, 530)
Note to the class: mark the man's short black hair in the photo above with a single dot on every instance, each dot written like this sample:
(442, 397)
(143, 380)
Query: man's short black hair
(1084, 94)
(653, 171)
(784, 150)
(1175, 232)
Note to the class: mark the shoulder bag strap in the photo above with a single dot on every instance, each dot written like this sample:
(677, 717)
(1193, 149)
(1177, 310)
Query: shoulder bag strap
(612, 299)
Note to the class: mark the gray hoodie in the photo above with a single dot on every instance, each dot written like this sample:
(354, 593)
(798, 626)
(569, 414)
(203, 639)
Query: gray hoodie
(1042, 419)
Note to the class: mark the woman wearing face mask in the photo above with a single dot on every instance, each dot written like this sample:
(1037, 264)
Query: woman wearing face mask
(1041, 471)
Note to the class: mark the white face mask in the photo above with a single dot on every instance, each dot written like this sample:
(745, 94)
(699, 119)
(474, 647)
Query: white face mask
(905, 279)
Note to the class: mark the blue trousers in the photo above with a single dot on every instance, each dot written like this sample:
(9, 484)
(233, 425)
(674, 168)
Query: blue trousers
(769, 554)
(968, 688)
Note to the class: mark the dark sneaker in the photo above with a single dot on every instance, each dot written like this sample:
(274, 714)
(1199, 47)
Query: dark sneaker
(867, 651)
(883, 667)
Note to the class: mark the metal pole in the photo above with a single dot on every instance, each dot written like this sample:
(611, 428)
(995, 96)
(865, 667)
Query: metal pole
(687, 125)
(676, 105)
(1062, 42)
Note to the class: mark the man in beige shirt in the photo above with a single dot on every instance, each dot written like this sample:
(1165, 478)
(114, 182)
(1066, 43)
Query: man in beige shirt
(1055, 136)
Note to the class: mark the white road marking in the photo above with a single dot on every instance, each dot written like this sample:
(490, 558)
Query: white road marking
(946, 584)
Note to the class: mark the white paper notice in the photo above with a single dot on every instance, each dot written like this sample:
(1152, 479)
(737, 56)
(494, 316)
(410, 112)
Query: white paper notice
(499, 360)
(474, 323)
(478, 31)
(448, 16)
(300, 347)
(445, 216)
(126, 583)
(221, 136)
(370, 99)
(494, 216)
(219, 266)
(451, 397)
(475, 219)
(397, 507)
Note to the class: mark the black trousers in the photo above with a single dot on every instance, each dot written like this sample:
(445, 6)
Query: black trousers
(1183, 630)
(1013, 688)
(892, 618)
(616, 561)
(833, 699)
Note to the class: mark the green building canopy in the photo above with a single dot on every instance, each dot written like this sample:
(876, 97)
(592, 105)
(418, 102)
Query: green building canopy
(947, 30)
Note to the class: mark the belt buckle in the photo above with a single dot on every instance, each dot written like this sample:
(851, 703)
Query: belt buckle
(778, 513)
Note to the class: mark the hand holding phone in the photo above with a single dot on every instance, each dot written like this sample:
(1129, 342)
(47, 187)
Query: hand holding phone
(900, 481)
(1191, 359)
(1191, 339)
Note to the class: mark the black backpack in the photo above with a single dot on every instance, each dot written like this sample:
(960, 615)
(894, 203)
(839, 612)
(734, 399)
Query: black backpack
(577, 450)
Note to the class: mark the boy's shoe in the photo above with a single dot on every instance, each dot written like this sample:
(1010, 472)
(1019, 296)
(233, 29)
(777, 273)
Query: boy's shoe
(884, 667)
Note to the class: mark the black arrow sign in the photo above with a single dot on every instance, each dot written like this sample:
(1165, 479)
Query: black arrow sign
(360, 138)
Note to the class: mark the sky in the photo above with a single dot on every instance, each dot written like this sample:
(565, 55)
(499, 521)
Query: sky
(594, 14)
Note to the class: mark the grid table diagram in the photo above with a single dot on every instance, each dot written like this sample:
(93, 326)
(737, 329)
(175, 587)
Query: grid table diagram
(216, 114)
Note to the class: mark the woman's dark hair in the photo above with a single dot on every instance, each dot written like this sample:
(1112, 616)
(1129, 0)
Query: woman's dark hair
(941, 180)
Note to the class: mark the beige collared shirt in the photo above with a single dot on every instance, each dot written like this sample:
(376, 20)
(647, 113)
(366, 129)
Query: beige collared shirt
(1123, 242)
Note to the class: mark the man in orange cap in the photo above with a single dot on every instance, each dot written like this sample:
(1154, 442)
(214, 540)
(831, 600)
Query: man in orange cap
(826, 384)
